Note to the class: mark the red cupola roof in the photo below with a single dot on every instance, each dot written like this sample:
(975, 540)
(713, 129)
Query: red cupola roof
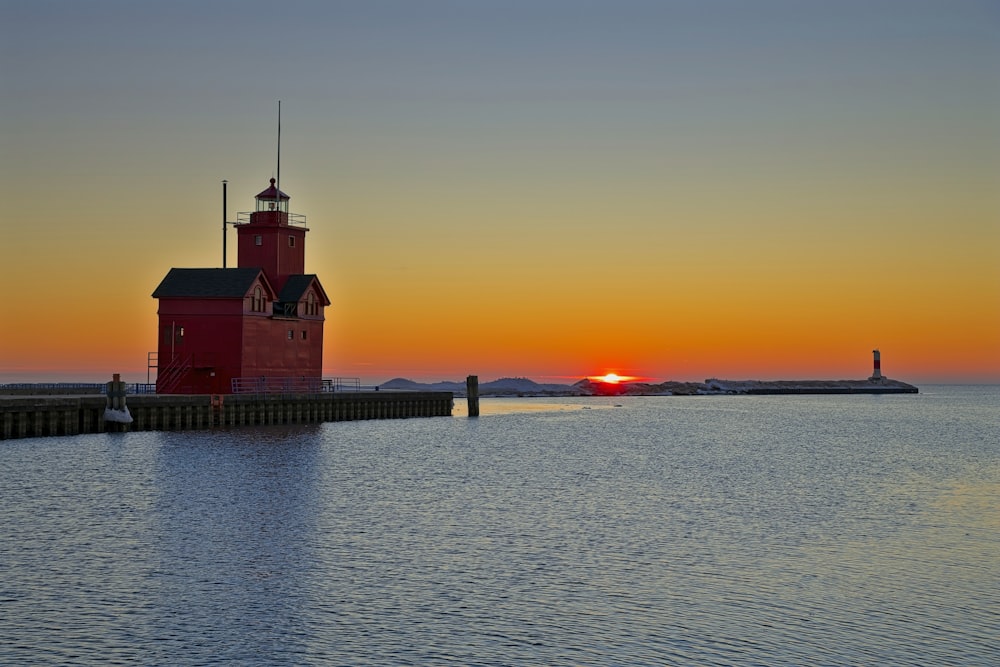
(272, 193)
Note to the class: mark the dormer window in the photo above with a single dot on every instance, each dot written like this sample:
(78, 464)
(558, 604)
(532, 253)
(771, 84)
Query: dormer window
(312, 307)
(257, 301)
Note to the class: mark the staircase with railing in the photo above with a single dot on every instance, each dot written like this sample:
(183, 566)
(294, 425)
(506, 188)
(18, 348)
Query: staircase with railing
(170, 376)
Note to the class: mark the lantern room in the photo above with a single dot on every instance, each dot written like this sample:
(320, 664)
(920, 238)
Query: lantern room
(272, 199)
(272, 238)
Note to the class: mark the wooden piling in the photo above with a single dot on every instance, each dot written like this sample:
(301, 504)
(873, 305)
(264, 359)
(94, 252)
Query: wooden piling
(116, 417)
(472, 394)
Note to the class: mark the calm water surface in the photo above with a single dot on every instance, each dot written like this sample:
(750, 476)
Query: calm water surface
(820, 530)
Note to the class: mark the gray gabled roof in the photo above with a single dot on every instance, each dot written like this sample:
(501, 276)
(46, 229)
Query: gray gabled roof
(208, 283)
(297, 285)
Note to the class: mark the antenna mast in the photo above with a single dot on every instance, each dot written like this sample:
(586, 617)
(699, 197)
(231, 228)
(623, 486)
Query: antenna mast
(224, 223)
(278, 178)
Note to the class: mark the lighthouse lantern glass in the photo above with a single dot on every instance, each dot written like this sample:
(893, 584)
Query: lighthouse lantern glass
(269, 204)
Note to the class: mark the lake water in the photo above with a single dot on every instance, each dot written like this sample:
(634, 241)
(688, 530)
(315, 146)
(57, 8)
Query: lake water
(745, 530)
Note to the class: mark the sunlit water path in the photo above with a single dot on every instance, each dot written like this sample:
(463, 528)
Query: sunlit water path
(771, 530)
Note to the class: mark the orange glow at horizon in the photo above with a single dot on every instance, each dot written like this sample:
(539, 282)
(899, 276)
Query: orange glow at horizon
(597, 229)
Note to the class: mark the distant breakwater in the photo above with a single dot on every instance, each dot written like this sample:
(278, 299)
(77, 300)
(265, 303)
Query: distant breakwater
(759, 387)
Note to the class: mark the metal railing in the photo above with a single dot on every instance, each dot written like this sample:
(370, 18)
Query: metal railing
(258, 385)
(55, 387)
(71, 388)
(341, 384)
(293, 385)
(293, 219)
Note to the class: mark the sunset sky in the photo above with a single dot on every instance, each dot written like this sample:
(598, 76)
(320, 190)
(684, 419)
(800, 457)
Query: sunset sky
(537, 188)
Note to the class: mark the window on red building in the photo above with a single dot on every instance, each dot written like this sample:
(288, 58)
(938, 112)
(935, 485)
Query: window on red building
(257, 301)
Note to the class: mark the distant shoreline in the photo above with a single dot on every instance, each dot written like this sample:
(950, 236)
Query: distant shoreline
(508, 387)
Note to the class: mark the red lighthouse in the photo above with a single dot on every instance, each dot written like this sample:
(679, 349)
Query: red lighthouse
(261, 320)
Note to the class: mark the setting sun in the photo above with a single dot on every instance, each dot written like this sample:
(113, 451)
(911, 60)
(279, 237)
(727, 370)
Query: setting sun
(611, 378)
(614, 378)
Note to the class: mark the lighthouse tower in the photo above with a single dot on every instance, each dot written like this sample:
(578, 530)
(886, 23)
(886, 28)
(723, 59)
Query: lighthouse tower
(877, 371)
(272, 239)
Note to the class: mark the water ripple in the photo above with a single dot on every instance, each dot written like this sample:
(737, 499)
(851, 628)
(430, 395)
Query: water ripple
(723, 531)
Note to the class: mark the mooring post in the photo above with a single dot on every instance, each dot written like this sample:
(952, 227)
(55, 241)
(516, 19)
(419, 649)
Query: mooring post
(472, 394)
(116, 411)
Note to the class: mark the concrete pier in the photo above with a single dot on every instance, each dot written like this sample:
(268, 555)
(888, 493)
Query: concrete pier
(42, 416)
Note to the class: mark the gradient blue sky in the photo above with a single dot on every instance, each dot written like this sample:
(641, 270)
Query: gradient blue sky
(666, 189)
